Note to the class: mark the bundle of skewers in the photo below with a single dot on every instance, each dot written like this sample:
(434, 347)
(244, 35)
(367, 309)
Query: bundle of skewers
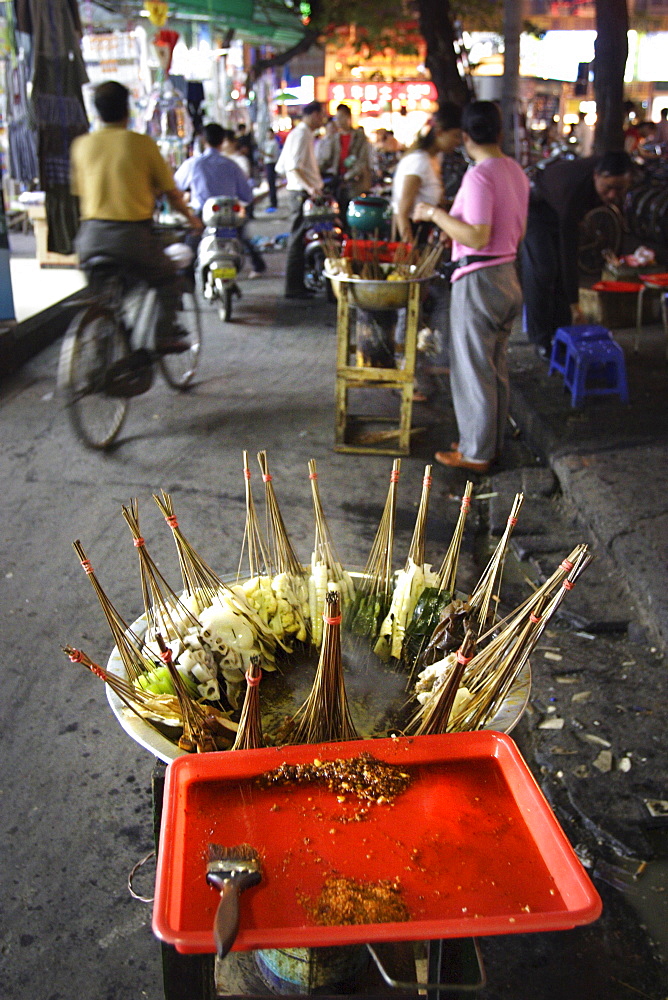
(193, 668)
(376, 261)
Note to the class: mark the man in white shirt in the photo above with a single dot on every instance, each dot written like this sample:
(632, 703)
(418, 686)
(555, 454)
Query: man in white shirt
(297, 161)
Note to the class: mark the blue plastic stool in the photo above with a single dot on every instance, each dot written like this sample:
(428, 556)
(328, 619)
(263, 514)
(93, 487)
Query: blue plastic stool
(596, 368)
(567, 338)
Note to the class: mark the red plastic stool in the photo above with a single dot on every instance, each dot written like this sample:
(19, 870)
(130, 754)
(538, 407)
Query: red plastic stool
(658, 283)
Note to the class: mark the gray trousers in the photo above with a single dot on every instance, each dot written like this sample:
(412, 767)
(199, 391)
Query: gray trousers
(482, 309)
(137, 247)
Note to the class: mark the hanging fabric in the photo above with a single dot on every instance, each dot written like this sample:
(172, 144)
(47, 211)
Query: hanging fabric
(57, 107)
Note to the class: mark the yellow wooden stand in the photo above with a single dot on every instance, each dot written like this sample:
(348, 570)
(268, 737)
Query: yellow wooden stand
(349, 433)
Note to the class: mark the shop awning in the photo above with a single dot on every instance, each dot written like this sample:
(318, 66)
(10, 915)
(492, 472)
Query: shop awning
(265, 22)
(270, 21)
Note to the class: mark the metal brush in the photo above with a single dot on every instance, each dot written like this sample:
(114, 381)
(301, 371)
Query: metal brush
(230, 870)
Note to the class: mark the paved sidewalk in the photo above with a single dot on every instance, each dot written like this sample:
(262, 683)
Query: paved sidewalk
(611, 461)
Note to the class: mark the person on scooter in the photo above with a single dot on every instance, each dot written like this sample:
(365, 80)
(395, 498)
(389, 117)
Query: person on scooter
(217, 176)
(118, 174)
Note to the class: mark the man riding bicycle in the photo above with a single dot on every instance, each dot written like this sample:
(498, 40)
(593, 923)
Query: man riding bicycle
(118, 174)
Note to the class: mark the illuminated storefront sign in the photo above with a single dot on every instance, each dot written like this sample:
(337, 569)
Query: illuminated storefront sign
(375, 98)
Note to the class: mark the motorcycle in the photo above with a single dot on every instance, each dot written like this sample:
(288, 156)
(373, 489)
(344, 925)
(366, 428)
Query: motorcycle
(220, 254)
(322, 228)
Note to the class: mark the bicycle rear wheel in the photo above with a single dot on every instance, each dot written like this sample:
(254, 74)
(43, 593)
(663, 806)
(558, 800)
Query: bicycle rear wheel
(600, 230)
(179, 369)
(93, 343)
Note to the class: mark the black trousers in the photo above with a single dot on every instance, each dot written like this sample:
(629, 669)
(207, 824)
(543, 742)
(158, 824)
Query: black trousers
(136, 246)
(270, 171)
(546, 305)
(294, 266)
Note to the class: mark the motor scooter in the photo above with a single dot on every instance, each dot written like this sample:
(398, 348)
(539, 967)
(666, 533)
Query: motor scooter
(322, 229)
(220, 254)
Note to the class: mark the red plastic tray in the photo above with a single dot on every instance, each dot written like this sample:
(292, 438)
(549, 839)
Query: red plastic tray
(476, 846)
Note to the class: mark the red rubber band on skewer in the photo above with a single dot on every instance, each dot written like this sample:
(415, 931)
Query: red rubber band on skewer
(87, 566)
(332, 621)
(534, 619)
(427, 481)
(566, 565)
(313, 475)
(394, 476)
(568, 584)
(171, 521)
(138, 542)
(463, 659)
(466, 503)
(247, 473)
(76, 656)
(98, 671)
(512, 521)
(253, 681)
(166, 656)
(266, 478)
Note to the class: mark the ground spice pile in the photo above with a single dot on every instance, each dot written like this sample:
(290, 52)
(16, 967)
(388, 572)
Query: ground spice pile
(363, 776)
(347, 901)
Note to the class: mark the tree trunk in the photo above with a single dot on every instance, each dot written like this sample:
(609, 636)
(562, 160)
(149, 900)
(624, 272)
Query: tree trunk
(437, 30)
(610, 54)
(510, 94)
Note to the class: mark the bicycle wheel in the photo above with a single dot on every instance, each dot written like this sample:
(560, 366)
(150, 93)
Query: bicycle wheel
(93, 343)
(179, 369)
(600, 230)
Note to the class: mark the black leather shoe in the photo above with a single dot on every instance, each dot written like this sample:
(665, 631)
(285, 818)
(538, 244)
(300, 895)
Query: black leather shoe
(300, 293)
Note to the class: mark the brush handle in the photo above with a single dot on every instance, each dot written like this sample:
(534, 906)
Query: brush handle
(226, 923)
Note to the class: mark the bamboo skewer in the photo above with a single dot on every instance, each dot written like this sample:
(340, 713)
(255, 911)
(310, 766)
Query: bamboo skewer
(258, 559)
(203, 585)
(433, 717)
(164, 611)
(324, 561)
(447, 574)
(249, 735)
(135, 656)
(426, 628)
(416, 548)
(487, 587)
(283, 557)
(325, 715)
(374, 593)
(520, 639)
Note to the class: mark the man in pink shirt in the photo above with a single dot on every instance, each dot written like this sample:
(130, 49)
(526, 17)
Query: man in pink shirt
(486, 224)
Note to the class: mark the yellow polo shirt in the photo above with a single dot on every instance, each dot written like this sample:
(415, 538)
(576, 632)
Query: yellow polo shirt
(118, 174)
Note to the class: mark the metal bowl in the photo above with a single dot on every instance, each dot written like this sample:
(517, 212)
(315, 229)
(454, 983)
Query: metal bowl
(506, 718)
(373, 294)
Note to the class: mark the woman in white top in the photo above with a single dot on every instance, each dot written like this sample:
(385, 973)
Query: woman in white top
(417, 177)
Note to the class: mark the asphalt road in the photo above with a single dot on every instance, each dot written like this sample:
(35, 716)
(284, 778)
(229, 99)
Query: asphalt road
(76, 806)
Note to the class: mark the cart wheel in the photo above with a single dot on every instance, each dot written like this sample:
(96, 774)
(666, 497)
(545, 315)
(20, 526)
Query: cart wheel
(187, 977)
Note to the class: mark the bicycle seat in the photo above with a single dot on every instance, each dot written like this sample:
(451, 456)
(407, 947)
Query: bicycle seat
(103, 262)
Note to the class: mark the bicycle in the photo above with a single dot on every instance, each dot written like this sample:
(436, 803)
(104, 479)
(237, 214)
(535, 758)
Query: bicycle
(107, 355)
(601, 229)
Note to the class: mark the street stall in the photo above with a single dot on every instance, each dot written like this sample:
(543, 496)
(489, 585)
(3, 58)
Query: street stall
(336, 742)
(374, 281)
